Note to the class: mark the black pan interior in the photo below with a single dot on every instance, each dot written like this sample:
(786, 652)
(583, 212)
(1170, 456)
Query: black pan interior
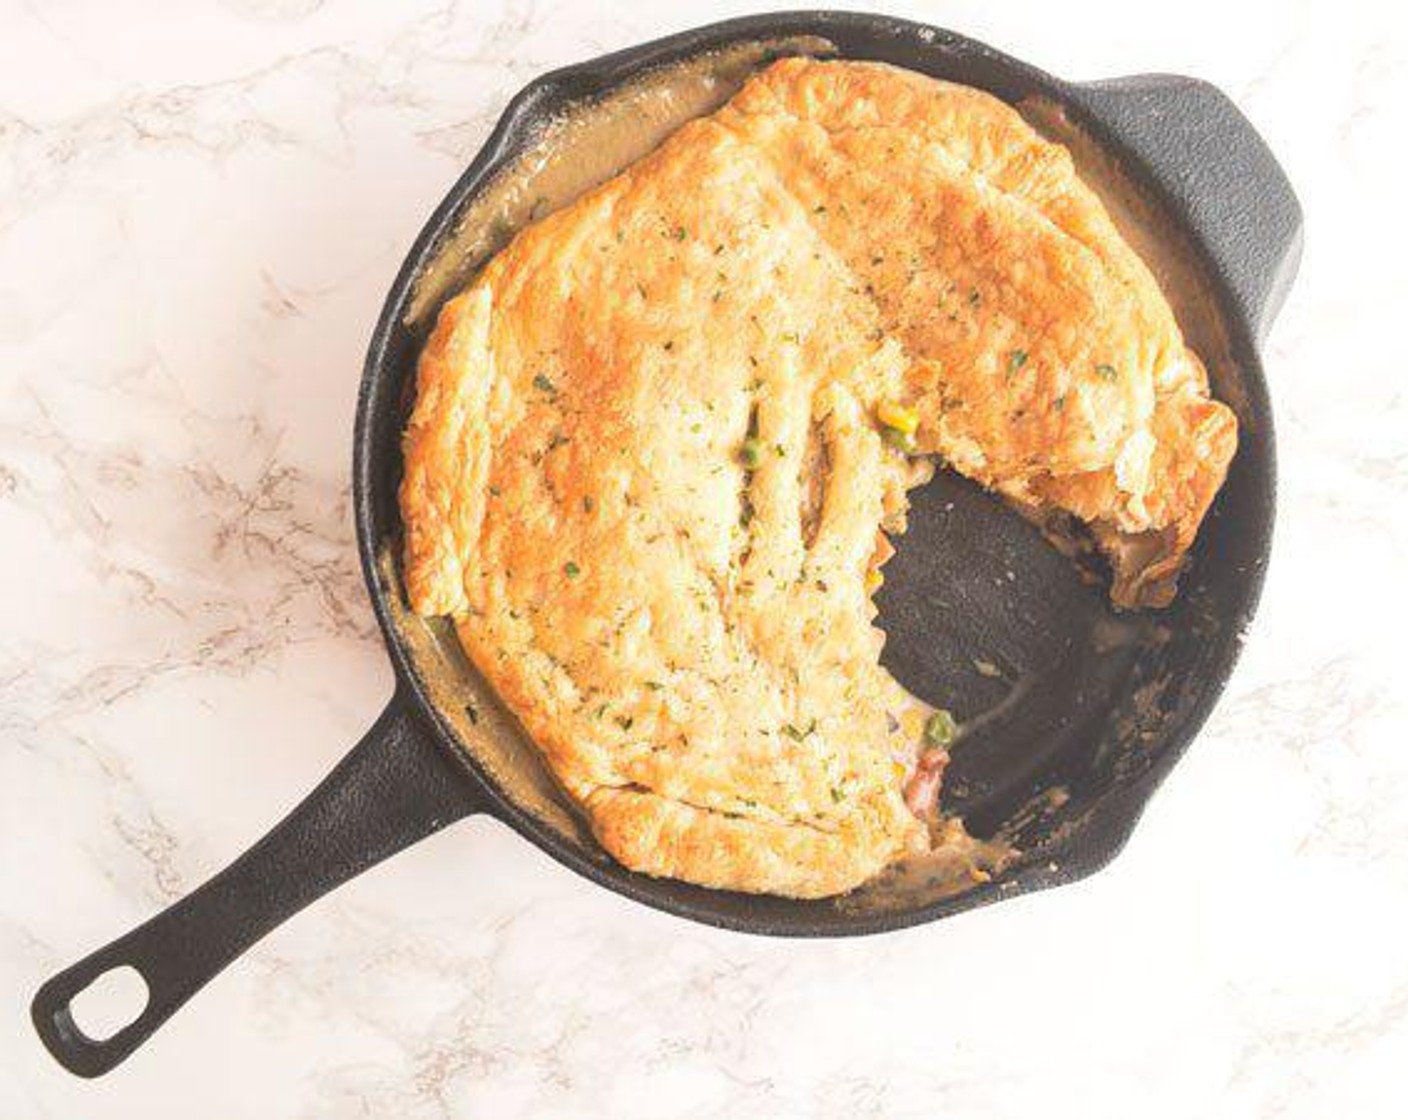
(1076, 711)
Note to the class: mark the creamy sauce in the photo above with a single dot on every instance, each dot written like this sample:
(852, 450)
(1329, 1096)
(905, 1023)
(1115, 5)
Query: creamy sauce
(584, 148)
(955, 863)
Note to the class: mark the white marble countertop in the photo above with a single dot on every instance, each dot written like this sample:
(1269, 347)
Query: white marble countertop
(201, 207)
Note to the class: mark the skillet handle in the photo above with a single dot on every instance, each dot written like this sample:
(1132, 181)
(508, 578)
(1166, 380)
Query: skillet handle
(394, 788)
(1218, 172)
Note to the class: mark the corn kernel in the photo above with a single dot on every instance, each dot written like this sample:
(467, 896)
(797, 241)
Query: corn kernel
(899, 417)
(873, 581)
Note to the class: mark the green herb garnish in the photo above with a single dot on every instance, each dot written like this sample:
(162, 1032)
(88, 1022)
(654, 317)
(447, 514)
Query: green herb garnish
(543, 382)
(751, 453)
(1015, 361)
(571, 569)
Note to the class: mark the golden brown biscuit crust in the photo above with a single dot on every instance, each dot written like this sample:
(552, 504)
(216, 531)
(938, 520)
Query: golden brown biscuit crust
(644, 477)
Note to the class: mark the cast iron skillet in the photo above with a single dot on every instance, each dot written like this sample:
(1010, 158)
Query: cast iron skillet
(1086, 713)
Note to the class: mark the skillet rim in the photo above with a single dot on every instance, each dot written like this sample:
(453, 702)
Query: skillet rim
(1114, 815)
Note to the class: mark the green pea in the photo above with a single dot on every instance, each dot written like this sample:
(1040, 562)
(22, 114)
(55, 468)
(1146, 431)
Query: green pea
(900, 441)
(940, 729)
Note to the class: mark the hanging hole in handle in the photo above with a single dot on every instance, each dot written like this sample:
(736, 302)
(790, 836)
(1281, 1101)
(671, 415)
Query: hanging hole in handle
(111, 1002)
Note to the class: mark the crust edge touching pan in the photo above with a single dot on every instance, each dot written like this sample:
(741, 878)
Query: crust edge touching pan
(1189, 155)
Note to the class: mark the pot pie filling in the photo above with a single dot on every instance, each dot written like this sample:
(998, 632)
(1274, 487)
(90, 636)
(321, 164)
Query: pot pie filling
(661, 441)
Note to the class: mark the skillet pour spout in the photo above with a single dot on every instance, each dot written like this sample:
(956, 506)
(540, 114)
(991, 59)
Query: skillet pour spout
(1089, 709)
